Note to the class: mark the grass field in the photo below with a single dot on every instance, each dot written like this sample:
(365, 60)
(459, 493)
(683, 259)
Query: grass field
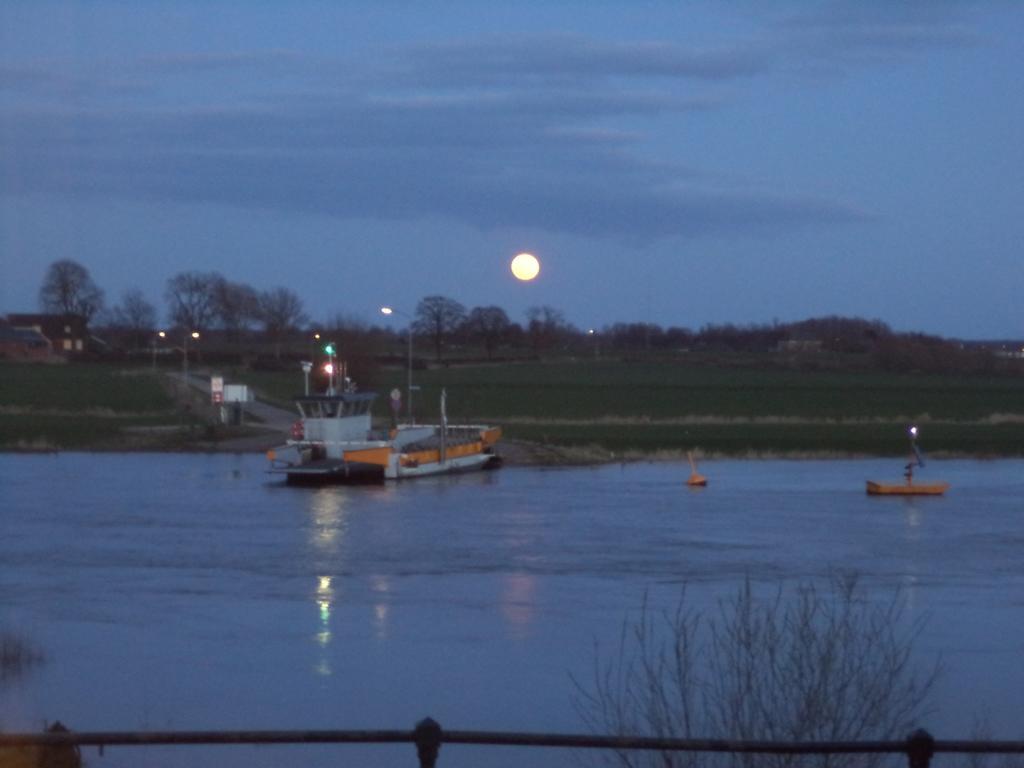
(667, 391)
(622, 407)
(82, 387)
(78, 406)
(650, 407)
(591, 390)
(736, 411)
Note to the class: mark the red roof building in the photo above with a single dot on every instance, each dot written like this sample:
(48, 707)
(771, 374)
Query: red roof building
(68, 334)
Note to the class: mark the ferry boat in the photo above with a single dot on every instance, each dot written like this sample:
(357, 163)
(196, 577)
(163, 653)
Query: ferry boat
(333, 441)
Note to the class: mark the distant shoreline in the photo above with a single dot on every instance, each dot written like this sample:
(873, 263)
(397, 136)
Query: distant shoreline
(514, 452)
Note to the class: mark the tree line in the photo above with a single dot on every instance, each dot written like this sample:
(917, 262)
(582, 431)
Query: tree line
(241, 314)
(195, 301)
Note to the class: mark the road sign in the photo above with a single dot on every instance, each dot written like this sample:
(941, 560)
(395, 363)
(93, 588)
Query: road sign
(217, 389)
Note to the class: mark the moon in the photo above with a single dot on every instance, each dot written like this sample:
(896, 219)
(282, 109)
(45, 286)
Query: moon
(525, 267)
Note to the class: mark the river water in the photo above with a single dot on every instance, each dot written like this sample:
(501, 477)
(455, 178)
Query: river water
(195, 592)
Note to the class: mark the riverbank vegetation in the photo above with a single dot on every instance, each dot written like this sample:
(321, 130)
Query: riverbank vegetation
(821, 386)
(91, 406)
(17, 655)
(810, 663)
(608, 406)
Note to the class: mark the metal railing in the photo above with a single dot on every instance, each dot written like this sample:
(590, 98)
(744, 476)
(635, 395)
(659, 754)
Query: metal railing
(428, 737)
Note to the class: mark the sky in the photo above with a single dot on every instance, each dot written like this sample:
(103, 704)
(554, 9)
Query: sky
(678, 163)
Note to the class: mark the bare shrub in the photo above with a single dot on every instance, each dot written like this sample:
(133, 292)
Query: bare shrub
(805, 664)
(16, 655)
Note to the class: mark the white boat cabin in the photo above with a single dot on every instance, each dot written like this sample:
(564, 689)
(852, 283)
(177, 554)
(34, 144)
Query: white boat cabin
(336, 418)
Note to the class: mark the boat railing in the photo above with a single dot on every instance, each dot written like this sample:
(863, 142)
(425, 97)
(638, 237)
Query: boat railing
(428, 737)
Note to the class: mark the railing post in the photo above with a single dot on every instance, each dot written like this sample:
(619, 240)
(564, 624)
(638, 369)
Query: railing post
(920, 748)
(428, 741)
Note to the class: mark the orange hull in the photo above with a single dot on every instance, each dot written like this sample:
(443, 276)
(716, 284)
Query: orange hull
(906, 489)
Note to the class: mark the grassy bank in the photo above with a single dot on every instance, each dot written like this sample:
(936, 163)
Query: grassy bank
(779, 439)
(596, 389)
(589, 390)
(79, 406)
(735, 410)
(622, 407)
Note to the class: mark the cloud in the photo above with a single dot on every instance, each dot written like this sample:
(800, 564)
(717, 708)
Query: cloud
(846, 33)
(503, 165)
(570, 58)
(24, 77)
(525, 133)
(180, 63)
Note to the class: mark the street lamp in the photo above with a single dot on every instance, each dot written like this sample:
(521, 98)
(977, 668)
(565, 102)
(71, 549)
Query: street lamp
(161, 335)
(184, 353)
(408, 385)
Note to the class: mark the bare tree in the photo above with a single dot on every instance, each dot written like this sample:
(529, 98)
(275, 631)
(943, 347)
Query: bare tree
(808, 665)
(235, 306)
(439, 317)
(490, 325)
(134, 316)
(546, 325)
(191, 299)
(68, 289)
(357, 343)
(280, 311)
(17, 655)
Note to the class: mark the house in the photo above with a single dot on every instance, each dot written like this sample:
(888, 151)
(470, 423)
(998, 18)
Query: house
(67, 334)
(23, 344)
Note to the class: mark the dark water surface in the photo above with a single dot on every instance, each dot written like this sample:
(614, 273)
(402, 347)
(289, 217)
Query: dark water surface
(192, 592)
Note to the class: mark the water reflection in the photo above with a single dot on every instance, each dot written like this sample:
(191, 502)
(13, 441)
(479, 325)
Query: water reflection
(912, 516)
(329, 519)
(324, 600)
(381, 586)
(518, 602)
(913, 532)
(329, 525)
(324, 596)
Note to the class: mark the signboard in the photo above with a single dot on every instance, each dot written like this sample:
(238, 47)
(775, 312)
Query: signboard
(217, 389)
(237, 393)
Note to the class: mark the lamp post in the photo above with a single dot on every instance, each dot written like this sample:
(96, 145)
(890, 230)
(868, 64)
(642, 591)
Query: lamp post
(184, 354)
(408, 384)
(331, 367)
(307, 366)
(158, 335)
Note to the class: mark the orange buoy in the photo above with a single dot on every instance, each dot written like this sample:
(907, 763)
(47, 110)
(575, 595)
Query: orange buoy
(696, 479)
